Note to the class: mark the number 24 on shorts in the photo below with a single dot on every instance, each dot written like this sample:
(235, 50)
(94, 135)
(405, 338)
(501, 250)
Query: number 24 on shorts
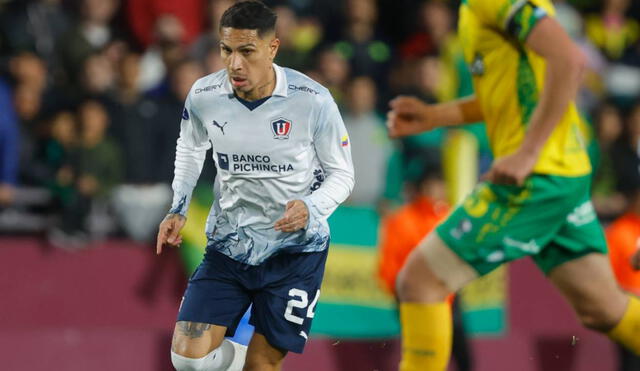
(301, 301)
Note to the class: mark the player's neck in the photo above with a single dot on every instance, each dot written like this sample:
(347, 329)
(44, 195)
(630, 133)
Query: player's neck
(261, 91)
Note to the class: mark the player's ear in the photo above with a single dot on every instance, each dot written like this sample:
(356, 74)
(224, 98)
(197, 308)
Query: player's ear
(274, 44)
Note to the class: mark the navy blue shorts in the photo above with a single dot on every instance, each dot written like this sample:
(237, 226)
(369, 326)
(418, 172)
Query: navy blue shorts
(284, 291)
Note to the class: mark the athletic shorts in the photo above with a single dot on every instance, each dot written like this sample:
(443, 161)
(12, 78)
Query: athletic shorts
(550, 218)
(284, 291)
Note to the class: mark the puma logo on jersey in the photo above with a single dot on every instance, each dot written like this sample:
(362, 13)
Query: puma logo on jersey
(215, 123)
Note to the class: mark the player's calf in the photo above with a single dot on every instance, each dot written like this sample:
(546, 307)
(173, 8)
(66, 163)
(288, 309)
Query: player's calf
(597, 316)
(590, 287)
(262, 356)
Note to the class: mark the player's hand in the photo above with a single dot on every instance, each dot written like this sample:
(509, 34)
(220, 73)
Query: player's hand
(408, 116)
(169, 231)
(512, 169)
(295, 217)
(635, 260)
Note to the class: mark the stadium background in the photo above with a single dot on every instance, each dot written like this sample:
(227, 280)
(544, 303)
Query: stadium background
(90, 97)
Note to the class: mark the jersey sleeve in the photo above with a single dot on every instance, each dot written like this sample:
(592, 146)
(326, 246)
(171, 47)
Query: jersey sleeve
(333, 150)
(513, 17)
(191, 150)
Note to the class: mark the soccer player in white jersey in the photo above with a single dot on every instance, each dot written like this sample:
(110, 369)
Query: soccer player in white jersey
(283, 166)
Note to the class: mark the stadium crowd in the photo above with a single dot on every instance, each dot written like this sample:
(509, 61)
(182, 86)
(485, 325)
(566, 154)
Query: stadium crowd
(91, 93)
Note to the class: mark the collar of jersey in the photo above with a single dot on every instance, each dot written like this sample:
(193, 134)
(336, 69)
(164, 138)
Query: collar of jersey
(279, 90)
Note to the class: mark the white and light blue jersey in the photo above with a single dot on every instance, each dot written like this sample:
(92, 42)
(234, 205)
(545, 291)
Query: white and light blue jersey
(292, 146)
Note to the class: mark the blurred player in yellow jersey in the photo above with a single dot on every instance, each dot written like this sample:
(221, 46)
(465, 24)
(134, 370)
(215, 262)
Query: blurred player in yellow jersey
(534, 200)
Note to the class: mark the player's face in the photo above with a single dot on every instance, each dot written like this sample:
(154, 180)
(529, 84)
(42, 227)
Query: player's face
(248, 58)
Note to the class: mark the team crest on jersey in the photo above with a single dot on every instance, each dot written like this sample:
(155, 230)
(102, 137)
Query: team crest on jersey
(281, 128)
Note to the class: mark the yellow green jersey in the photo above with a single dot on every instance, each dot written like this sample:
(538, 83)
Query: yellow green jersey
(508, 79)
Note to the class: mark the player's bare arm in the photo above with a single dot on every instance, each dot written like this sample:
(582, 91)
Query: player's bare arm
(410, 115)
(169, 231)
(565, 66)
(295, 217)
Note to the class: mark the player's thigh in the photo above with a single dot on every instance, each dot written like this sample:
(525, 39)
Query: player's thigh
(196, 339)
(589, 285)
(283, 310)
(262, 356)
(432, 271)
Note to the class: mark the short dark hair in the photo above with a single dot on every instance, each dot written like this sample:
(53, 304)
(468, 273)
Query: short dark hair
(250, 15)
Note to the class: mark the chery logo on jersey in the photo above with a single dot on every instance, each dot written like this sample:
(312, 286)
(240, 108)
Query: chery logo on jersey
(281, 128)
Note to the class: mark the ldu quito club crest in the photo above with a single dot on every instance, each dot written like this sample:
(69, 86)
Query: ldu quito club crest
(281, 128)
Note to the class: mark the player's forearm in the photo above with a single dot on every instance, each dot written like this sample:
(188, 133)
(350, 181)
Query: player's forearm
(458, 112)
(188, 165)
(335, 190)
(562, 80)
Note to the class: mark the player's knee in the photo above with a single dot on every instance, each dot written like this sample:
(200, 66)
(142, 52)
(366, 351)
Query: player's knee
(597, 317)
(414, 286)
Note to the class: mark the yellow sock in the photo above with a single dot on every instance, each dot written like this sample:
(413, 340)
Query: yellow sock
(627, 331)
(426, 336)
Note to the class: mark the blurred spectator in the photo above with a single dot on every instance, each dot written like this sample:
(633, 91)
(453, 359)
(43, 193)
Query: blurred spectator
(607, 201)
(367, 52)
(406, 227)
(144, 15)
(434, 68)
(8, 146)
(435, 26)
(28, 107)
(612, 30)
(427, 79)
(141, 201)
(62, 143)
(95, 167)
(625, 154)
(34, 26)
(98, 77)
(28, 69)
(370, 146)
(623, 238)
(298, 37)
(592, 89)
(332, 72)
(162, 55)
(209, 40)
(92, 32)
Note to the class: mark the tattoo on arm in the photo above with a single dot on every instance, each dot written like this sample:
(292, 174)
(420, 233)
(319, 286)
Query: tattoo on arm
(193, 329)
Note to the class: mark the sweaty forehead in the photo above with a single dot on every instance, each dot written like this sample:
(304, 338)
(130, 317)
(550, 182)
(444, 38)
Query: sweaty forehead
(236, 36)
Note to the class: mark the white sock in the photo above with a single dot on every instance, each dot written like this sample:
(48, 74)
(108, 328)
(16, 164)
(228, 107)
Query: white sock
(218, 359)
(239, 356)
